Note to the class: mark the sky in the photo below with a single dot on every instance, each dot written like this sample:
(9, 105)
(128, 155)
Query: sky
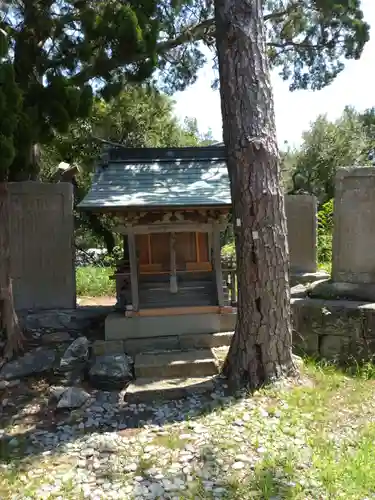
(355, 86)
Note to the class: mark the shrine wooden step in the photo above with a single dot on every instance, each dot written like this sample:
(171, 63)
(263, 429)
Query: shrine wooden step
(144, 390)
(175, 364)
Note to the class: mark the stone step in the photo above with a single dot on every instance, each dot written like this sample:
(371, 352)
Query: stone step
(135, 346)
(144, 390)
(205, 340)
(172, 364)
(183, 342)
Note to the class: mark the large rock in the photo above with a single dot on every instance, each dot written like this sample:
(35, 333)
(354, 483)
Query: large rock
(73, 397)
(76, 354)
(56, 338)
(8, 384)
(32, 363)
(111, 371)
(56, 392)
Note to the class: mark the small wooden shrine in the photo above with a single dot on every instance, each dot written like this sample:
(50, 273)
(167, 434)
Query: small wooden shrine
(170, 205)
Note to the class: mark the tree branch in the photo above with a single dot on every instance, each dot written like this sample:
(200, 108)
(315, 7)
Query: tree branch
(193, 33)
(289, 44)
(281, 13)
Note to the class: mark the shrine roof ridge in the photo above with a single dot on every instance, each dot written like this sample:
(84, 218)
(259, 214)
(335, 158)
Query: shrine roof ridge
(123, 154)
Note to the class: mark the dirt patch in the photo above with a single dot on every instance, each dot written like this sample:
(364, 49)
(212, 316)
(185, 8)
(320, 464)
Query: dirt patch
(96, 301)
(26, 405)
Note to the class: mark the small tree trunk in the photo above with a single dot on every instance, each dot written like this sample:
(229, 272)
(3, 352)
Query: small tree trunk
(261, 347)
(8, 316)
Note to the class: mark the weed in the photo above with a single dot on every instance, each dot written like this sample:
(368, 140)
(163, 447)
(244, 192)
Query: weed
(171, 441)
(95, 281)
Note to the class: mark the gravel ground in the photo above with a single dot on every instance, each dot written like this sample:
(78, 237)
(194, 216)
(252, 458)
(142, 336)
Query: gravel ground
(210, 447)
(111, 450)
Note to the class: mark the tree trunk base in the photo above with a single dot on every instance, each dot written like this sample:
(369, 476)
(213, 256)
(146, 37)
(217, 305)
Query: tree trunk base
(9, 322)
(8, 316)
(244, 368)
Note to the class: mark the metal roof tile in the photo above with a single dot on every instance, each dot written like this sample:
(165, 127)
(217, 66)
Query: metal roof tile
(186, 182)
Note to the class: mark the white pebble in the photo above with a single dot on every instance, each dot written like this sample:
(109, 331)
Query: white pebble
(238, 465)
(131, 467)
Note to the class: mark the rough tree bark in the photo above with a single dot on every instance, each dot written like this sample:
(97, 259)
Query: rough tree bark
(8, 317)
(261, 347)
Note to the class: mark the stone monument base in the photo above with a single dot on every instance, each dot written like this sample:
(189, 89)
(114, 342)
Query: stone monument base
(331, 290)
(304, 278)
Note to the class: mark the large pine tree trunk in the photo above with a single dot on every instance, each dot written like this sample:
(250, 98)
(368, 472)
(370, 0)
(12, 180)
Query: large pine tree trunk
(261, 348)
(8, 316)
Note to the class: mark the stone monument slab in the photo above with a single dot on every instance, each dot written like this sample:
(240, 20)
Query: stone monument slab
(354, 226)
(301, 214)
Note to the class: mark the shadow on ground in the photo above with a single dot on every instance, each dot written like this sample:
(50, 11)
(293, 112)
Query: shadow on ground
(28, 408)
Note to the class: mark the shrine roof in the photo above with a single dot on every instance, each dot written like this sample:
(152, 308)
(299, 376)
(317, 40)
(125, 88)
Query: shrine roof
(160, 177)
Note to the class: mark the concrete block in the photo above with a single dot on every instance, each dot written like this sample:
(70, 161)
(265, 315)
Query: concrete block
(307, 323)
(207, 340)
(368, 312)
(342, 321)
(318, 322)
(227, 322)
(305, 344)
(334, 347)
(174, 364)
(135, 346)
(118, 327)
(222, 339)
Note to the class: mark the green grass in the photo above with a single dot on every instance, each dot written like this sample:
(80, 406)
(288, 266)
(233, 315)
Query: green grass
(171, 441)
(339, 439)
(320, 446)
(95, 281)
(23, 479)
(325, 266)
